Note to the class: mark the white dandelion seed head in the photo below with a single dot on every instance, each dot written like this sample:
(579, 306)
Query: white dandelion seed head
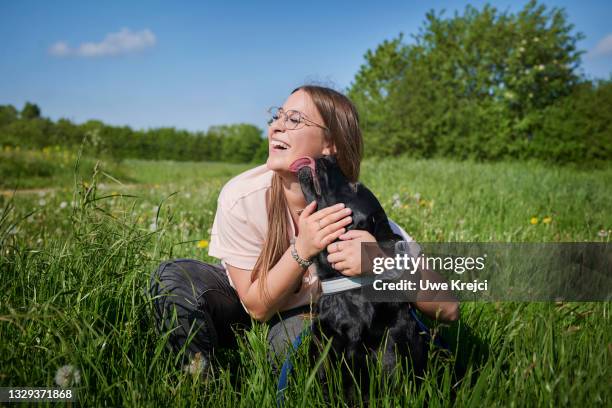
(67, 376)
(187, 195)
(153, 226)
(63, 205)
(417, 196)
(42, 202)
(197, 365)
(602, 233)
(39, 241)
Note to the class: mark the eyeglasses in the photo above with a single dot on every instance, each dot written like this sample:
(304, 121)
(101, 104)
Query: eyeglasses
(293, 119)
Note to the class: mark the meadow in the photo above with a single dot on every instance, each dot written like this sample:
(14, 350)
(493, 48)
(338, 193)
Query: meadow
(76, 256)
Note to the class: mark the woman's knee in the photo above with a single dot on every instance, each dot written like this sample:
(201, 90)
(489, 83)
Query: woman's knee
(175, 275)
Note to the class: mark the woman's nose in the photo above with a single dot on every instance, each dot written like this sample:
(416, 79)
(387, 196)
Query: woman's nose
(277, 126)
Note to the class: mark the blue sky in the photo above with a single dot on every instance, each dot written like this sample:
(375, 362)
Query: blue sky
(196, 64)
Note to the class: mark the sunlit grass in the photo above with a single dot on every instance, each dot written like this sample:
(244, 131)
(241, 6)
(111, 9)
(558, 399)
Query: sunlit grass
(75, 261)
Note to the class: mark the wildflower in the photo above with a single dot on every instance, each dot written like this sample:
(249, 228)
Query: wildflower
(547, 220)
(67, 376)
(42, 202)
(202, 243)
(602, 233)
(114, 193)
(533, 220)
(417, 196)
(541, 67)
(153, 226)
(396, 201)
(187, 195)
(522, 49)
(63, 204)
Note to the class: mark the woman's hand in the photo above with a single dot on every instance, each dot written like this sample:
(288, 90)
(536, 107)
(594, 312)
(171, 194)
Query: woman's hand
(319, 229)
(345, 256)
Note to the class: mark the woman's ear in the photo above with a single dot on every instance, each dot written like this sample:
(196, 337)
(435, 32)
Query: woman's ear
(330, 147)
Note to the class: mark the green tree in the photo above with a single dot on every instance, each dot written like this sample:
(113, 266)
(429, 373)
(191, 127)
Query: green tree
(30, 111)
(468, 86)
(8, 114)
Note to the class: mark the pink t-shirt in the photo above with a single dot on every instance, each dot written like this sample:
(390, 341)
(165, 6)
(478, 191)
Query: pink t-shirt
(241, 225)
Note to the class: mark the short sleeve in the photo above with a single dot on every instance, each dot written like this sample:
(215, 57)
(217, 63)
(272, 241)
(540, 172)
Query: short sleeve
(233, 238)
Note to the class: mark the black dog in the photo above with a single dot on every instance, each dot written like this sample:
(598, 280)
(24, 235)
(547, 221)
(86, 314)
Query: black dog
(357, 327)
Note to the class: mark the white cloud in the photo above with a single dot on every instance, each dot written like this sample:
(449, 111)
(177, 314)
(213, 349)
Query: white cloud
(59, 49)
(121, 42)
(603, 47)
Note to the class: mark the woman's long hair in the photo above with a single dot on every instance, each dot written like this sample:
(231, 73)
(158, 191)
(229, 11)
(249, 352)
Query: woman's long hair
(341, 118)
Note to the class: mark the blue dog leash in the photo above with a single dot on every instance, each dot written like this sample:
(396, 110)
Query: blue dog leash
(423, 327)
(287, 367)
(288, 364)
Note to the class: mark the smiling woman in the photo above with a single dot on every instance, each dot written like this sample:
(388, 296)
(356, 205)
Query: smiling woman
(265, 235)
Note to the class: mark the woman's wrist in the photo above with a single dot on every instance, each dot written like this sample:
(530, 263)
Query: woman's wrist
(299, 254)
(301, 251)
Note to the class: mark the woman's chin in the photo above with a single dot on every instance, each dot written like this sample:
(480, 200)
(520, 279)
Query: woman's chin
(279, 164)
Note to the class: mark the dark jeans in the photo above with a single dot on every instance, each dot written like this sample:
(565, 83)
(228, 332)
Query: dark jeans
(209, 312)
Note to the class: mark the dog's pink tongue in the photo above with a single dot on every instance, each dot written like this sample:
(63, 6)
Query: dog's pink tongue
(303, 162)
(309, 162)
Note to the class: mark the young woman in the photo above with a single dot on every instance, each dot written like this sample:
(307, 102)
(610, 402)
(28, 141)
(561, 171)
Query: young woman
(259, 213)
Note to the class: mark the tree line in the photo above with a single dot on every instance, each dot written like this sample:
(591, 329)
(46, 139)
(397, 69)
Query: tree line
(236, 143)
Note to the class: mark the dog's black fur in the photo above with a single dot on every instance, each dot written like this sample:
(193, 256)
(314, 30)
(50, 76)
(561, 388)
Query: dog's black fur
(357, 327)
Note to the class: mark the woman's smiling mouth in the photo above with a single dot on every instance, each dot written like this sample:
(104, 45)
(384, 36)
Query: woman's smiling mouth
(278, 145)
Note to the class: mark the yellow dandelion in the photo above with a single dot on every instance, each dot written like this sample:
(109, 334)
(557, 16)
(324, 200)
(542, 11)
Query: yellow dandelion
(533, 220)
(423, 203)
(547, 220)
(114, 193)
(202, 243)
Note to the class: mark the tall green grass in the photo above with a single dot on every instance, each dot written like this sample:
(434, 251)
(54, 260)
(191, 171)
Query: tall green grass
(75, 265)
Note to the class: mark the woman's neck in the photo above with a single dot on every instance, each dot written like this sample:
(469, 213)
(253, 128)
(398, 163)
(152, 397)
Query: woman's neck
(295, 198)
